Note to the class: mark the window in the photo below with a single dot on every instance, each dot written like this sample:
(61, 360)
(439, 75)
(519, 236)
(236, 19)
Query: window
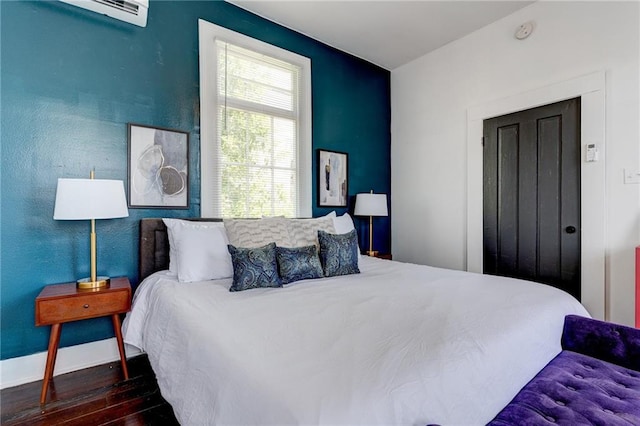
(255, 127)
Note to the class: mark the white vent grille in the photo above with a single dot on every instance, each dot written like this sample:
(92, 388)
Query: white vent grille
(131, 11)
(124, 6)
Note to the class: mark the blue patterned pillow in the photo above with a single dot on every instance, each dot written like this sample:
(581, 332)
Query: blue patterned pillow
(339, 253)
(299, 263)
(254, 267)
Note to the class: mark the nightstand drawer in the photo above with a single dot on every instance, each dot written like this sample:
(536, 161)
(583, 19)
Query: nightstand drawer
(60, 303)
(59, 310)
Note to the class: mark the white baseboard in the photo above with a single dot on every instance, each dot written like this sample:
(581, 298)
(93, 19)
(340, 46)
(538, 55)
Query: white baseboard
(30, 368)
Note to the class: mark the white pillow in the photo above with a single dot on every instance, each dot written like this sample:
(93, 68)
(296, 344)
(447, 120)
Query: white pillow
(173, 253)
(200, 250)
(343, 224)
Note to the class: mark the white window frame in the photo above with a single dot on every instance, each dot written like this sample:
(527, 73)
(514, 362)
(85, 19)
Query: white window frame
(210, 173)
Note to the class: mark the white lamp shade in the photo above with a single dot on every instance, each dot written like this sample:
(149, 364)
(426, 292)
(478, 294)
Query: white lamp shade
(371, 205)
(79, 199)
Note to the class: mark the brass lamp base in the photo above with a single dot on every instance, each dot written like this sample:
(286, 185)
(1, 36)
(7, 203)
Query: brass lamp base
(86, 283)
(372, 253)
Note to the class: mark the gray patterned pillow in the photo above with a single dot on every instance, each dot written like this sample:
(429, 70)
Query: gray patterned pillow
(254, 267)
(299, 263)
(304, 232)
(339, 253)
(257, 232)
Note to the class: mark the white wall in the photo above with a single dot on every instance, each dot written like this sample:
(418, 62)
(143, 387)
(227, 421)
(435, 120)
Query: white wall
(432, 96)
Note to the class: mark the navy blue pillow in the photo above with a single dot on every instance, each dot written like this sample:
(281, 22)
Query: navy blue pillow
(339, 253)
(254, 267)
(299, 263)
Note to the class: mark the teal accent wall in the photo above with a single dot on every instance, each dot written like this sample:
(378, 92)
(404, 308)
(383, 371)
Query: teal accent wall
(71, 79)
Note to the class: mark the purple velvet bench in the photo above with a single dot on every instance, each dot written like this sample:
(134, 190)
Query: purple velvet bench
(595, 380)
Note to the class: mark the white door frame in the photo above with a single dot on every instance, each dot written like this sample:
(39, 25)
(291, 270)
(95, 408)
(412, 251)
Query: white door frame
(591, 89)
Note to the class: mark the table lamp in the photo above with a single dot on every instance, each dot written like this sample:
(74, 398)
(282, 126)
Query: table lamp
(371, 205)
(90, 199)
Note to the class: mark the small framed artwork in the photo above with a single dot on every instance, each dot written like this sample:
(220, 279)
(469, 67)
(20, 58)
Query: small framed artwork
(333, 178)
(158, 167)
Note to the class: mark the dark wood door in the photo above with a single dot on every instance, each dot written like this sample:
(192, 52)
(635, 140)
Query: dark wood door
(532, 195)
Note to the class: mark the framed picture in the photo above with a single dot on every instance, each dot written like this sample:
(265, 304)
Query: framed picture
(158, 167)
(333, 178)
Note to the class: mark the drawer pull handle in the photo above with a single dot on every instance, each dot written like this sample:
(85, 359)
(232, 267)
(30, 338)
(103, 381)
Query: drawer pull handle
(86, 306)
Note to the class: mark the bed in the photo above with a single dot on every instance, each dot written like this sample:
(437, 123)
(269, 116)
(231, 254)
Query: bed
(395, 344)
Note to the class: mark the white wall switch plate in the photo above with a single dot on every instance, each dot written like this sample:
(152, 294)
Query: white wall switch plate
(592, 153)
(631, 176)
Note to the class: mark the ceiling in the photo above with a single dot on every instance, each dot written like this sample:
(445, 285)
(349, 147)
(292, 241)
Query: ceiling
(386, 33)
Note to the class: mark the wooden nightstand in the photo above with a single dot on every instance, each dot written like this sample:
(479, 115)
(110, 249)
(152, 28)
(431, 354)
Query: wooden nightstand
(60, 303)
(386, 256)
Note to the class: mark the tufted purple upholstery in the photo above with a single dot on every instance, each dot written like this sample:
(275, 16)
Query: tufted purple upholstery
(602, 340)
(578, 389)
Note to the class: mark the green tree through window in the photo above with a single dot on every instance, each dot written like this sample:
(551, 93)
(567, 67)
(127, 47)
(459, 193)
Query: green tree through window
(257, 133)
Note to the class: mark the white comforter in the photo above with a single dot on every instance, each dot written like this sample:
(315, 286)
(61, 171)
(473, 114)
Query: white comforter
(398, 344)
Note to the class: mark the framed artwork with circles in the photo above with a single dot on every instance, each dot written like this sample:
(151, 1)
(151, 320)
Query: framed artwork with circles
(158, 167)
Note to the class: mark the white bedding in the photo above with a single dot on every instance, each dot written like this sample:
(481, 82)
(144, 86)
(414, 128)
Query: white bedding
(398, 344)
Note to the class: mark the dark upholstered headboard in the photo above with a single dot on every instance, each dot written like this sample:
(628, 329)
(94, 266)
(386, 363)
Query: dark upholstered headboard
(154, 245)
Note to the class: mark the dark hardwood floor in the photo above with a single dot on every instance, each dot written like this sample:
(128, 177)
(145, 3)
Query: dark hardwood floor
(93, 396)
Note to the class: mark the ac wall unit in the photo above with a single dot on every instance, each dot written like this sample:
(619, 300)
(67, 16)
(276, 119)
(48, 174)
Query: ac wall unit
(131, 11)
